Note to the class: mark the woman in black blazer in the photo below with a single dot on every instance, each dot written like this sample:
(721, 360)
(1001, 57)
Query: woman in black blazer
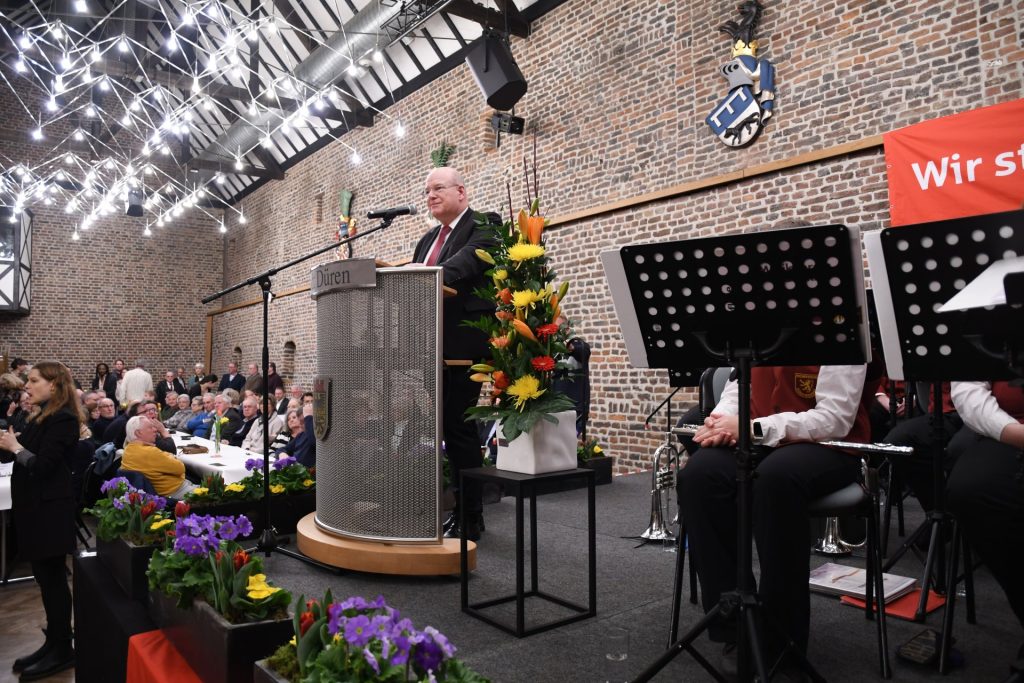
(105, 381)
(44, 506)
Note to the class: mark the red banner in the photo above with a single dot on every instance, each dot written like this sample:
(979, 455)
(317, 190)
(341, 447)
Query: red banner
(962, 165)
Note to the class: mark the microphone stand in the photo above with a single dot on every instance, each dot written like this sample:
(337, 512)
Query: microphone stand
(268, 541)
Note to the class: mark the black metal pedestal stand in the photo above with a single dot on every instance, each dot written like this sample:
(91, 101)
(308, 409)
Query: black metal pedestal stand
(742, 300)
(920, 342)
(936, 520)
(269, 542)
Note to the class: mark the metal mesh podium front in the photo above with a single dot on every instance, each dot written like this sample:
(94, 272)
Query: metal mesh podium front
(378, 468)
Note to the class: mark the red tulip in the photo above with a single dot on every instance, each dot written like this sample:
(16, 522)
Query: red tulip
(181, 509)
(148, 509)
(241, 558)
(306, 619)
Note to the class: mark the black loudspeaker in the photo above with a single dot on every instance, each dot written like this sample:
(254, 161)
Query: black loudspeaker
(496, 72)
(133, 207)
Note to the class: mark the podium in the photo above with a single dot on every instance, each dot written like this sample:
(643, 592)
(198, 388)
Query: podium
(377, 420)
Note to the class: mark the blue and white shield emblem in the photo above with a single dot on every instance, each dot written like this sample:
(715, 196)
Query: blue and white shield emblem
(737, 119)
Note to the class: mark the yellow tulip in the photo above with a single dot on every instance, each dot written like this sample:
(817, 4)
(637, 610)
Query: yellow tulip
(484, 256)
(480, 377)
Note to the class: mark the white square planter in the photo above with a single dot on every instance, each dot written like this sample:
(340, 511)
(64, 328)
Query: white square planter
(545, 448)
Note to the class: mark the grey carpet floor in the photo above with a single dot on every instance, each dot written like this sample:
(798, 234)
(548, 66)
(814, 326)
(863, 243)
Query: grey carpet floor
(634, 596)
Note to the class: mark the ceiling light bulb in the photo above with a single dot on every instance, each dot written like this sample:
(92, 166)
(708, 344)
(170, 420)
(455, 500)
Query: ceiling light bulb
(378, 56)
(400, 130)
(19, 65)
(239, 165)
(242, 219)
(160, 222)
(267, 142)
(24, 41)
(286, 127)
(51, 104)
(81, 7)
(56, 31)
(223, 229)
(356, 159)
(187, 19)
(37, 134)
(90, 111)
(272, 26)
(165, 150)
(58, 84)
(122, 44)
(251, 34)
(109, 164)
(146, 151)
(79, 135)
(187, 115)
(135, 105)
(126, 120)
(196, 85)
(148, 170)
(252, 108)
(68, 159)
(147, 232)
(74, 235)
(213, 10)
(172, 43)
(211, 63)
(219, 179)
(65, 62)
(87, 77)
(353, 69)
(104, 84)
(96, 55)
(237, 72)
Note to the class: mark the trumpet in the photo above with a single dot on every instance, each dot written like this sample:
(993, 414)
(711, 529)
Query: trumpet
(663, 481)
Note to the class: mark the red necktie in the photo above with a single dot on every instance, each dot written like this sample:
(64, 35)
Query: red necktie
(436, 251)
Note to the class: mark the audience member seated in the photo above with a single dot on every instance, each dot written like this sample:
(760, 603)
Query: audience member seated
(984, 491)
(201, 423)
(164, 471)
(302, 444)
(280, 403)
(116, 429)
(254, 380)
(170, 385)
(253, 441)
(250, 415)
(80, 461)
(197, 375)
(274, 381)
(232, 379)
(108, 411)
(179, 419)
(18, 414)
(10, 390)
(223, 407)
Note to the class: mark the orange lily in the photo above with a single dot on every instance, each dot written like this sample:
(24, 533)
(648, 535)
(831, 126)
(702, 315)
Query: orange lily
(523, 329)
(554, 307)
(530, 227)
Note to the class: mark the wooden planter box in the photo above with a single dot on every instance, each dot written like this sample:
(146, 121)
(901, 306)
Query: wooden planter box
(285, 511)
(262, 673)
(127, 563)
(216, 649)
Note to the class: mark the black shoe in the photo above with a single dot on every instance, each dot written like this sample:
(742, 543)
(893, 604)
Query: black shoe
(59, 658)
(21, 663)
(473, 527)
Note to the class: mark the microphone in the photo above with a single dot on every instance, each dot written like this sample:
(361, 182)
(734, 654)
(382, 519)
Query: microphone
(391, 213)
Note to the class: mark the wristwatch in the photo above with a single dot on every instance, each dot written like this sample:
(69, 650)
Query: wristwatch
(757, 432)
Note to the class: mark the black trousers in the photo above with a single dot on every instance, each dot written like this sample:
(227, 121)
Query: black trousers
(51, 575)
(916, 470)
(461, 441)
(985, 494)
(786, 480)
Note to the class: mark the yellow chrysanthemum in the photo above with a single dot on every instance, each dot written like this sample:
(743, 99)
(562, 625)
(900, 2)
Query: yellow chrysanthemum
(257, 588)
(525, 252)
(527, 298)
(236, 488)
(292, 642)
(500, 275)
(200, 491)
(525, 388)
(224, 420)
(307, 483)
(277, 488)
(160, 524)
(598, 449)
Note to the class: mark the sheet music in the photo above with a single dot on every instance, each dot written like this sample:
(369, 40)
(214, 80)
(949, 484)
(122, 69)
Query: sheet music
(986, 289)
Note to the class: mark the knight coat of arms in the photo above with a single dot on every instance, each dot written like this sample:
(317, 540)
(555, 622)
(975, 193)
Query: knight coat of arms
(741, 116)
(321, 407)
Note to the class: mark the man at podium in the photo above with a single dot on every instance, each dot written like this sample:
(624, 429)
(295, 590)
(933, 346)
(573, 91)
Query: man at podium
(452, 244)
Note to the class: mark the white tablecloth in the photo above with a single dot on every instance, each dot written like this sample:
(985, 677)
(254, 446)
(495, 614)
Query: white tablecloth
(230, 462)
(5, 485)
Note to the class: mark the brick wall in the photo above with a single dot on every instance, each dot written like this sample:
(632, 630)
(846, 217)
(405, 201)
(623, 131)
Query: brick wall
(618, 94)
(113, 293)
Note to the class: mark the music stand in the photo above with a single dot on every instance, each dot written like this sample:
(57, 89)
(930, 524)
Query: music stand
(915, 270)
(788, 297)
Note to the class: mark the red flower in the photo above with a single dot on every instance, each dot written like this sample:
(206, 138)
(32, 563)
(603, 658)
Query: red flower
(134, 498)
(148, 509)
(543, 363)
(306, 620)
(500, 379)
(505, 296)
(547, 330)
(311, 603)
(241, 558)
(181, 509)
(504, 315)
(219, 556)
(170, 533)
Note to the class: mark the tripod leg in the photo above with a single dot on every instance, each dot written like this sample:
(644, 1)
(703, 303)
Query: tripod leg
(753, 645)
(683, 643)
(968, 578)
(929, 565)
(677, 585)
(947, 617)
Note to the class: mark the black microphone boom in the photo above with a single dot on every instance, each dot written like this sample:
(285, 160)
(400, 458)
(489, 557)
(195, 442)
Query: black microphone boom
(391, 213)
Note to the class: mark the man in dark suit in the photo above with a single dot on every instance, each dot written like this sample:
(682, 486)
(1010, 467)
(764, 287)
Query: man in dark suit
(171, 384)
(452, 245)
(231, 379)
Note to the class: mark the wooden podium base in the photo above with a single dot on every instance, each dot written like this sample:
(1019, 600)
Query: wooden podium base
(381, 558)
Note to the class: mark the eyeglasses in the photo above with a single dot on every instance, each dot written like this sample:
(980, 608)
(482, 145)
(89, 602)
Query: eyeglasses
(436, 189)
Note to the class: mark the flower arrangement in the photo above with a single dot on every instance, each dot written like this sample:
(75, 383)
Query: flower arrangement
(287, 476)
(216, 428)
(358, 640)
(203, 560)
(127, 512)
(591, 448)
(527, 333)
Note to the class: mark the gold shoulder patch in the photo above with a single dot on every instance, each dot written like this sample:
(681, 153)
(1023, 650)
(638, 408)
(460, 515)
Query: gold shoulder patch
(804, 384)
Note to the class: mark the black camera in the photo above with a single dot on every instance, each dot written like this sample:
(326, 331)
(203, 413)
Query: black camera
(4, 424)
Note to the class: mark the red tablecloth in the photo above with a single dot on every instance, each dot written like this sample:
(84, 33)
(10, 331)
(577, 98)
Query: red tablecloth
(153, 659)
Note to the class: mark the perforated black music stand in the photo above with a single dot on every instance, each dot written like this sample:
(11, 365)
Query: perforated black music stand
(790, 297)
(915, 270)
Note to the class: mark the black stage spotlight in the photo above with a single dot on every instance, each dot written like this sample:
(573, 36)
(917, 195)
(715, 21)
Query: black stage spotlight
(507, 123)
(496, 72)
(133, 205)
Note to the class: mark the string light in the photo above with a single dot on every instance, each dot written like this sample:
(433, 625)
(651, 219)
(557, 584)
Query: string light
(24, 41)
(399, 130)
(223, 228)
(356, 159)
(19, 65)
(122, 44)
(147, 232)
(37, 134)
(51, 104)
(241, 218)
(74, 235)
(81, 7)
